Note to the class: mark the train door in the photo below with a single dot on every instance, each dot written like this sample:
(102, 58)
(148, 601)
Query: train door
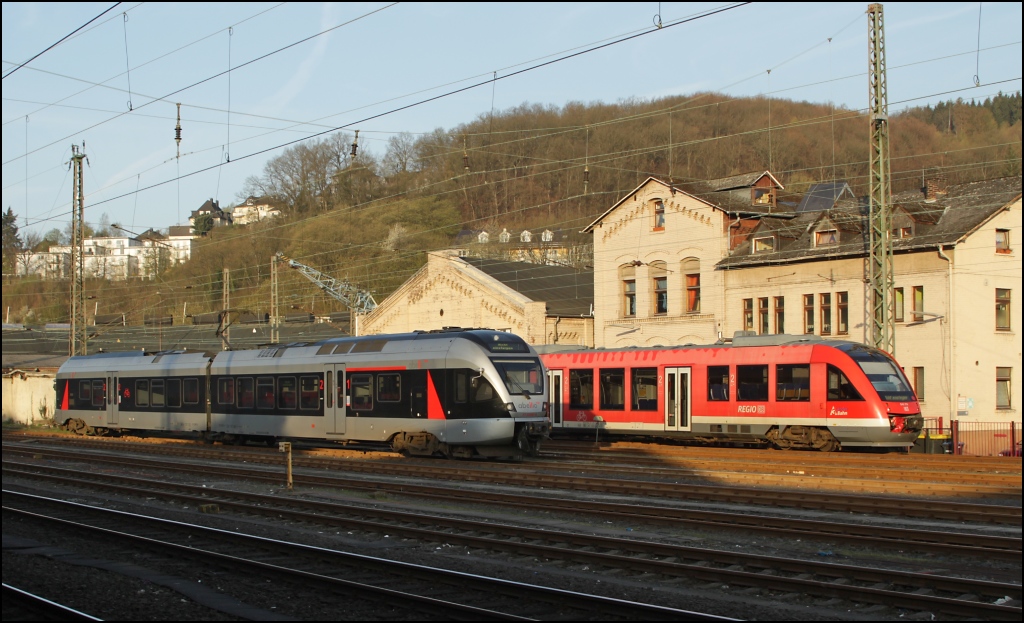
(112, 396)
(334, 399)
(677, 399)
(555, 397)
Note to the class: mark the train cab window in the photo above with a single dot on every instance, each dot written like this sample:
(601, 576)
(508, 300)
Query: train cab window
(793, 383)
(190, 388)
(483, 391)
(99, 394)
(389, 387)
(752, 383)
(460, 387)
(246, 393)
(581, 389)
(158, 393)
(264, 392)
(718, 383)
(142, 393)
(840, 387)
(644, 389)
(174, 393)
(226, 391)
(613, 389)
(362, 392)
(286, 393)
(309, 392)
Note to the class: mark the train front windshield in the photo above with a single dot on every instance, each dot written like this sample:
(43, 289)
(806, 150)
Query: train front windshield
(521, 376)
(886, 377)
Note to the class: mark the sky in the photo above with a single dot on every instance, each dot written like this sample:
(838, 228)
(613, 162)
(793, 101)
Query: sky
(300, 70)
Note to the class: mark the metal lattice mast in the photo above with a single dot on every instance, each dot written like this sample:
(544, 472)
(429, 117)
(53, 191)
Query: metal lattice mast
(880, 263)
(275, 318)
(358, 300)
(79, 332)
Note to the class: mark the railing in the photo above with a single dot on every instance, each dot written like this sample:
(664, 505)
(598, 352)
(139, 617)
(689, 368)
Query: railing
(970, 438)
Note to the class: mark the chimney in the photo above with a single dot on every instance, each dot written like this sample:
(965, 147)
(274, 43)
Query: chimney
(934, 185)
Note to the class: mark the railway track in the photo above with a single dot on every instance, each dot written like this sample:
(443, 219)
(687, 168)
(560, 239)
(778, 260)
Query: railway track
(970, 543)
(857, 584)
(530, 476)
(400, 589)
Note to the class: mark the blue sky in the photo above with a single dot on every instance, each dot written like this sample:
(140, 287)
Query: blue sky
(381, 57)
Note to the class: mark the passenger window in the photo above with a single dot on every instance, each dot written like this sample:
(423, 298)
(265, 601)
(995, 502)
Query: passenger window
(389, 388)
(191, 387)
(718, 383)
(309, 392)
(84, 393)
(246, 393)
(286, 393)
(581, 389)
(264, 392)
(226, 391)
(157, 397)
(613, 389)
(840, 387)
(752, 382)
(174, 393)
(141, 393)
(362, 392)
(645, 389)
(99, 392)
(793, 383)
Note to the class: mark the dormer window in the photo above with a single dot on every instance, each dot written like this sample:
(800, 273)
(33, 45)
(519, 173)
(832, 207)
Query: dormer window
(902, 232)
(764, 245)
(483, 238)
(525, 236)
(547, 236)
(659, 215)
(825, 238)
(504, 236)
(763, 196)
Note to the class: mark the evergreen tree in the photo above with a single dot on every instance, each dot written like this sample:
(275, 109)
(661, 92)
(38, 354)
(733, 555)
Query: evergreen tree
(12, 241)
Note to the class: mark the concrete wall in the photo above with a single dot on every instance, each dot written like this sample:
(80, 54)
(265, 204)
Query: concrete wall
(28, 397)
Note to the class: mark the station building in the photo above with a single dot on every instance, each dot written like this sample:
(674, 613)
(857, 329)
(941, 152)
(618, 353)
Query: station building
(691, 263)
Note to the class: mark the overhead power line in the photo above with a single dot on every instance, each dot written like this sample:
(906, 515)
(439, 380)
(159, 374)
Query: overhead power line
(64, 38)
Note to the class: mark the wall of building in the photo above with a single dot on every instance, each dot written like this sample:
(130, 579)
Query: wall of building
(28, 397)
(979, 348)
(627, 234)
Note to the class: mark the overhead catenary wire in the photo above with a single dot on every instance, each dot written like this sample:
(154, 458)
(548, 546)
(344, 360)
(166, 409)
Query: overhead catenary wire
(61, 40)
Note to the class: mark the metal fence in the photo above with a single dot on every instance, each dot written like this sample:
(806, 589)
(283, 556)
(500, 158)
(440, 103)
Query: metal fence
(970, 438)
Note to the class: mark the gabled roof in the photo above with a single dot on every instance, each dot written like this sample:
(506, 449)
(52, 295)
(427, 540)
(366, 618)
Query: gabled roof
(961, 211)
(589, 228)
(736, 182)
(567, 292)
(823, 196)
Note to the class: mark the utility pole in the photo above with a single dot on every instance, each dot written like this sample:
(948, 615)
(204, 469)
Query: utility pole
(79, 330)
(880, 262)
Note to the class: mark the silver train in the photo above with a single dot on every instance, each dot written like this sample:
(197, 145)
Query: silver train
(460, 393)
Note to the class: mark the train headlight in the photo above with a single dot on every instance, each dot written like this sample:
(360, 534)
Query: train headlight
(510, 407)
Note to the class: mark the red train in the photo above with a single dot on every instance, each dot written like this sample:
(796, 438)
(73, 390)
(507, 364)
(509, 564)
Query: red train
(783, 390)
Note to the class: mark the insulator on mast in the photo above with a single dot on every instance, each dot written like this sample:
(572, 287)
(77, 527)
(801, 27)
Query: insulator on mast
(177, 131)
(586, 178)
(355, 145)
(465, 155)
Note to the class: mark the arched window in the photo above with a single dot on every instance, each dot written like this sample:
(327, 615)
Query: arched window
(691, 277)
(627, 276)
(659, 287)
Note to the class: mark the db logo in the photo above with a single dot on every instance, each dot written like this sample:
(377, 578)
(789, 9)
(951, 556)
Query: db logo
(581, 416)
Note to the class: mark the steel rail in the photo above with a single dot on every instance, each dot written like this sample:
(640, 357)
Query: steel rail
(528, 595)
